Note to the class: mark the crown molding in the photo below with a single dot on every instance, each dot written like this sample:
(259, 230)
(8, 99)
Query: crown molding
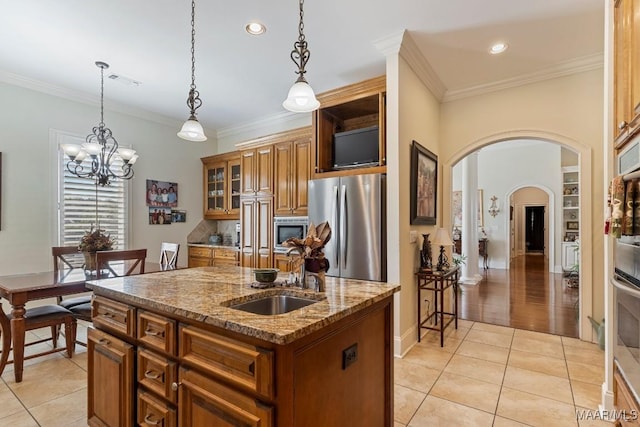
(577, 65)
(273, 123)
(403, 44)
(84, 98)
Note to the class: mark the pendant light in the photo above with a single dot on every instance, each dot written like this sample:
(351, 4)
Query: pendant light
(301, 98)
(100, 150)
(192, 129)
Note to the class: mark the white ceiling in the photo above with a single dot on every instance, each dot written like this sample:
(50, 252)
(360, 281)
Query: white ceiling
(242, 78)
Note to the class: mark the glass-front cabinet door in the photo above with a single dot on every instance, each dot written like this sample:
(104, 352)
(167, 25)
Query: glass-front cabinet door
(221, 187)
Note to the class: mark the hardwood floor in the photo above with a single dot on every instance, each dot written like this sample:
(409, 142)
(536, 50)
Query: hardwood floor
(526, 296)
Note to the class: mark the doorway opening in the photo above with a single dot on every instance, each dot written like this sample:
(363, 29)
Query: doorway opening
(534, 230)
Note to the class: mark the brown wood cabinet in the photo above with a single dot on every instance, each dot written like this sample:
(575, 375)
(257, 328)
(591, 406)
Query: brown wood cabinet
(257, 171)
(256, 237)
(626, 106)
(624, 401)
(111, 380)
(202, 256)
(221, 188)
(340, 374)
(292, 167)
(344, 109)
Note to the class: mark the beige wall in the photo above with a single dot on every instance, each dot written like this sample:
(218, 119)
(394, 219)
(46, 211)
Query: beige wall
(566, 110)
(418, 118)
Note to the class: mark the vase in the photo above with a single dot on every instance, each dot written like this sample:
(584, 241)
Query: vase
(425, 253)
(91, 262)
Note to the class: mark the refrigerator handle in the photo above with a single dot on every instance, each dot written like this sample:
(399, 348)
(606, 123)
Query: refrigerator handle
(344, 232)
(334, 218)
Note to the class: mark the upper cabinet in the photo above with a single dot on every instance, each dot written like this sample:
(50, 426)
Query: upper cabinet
(626, 106)
(222, 186)
(257, 171)
(292, 165)
(349, 130)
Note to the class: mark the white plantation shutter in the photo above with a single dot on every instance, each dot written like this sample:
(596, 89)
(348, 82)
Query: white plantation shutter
(77, 205)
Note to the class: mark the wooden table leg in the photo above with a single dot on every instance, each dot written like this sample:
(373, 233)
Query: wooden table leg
(17, 334)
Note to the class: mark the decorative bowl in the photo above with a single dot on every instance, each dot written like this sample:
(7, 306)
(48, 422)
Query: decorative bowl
(265, 275)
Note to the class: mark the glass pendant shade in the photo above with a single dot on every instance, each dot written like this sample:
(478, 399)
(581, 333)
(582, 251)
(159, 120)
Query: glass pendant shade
(301, 98)
(192, 131)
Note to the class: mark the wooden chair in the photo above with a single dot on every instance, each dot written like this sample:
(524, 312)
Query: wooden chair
(52, 316)
(136, 258)
(169, 255)
(69, 257)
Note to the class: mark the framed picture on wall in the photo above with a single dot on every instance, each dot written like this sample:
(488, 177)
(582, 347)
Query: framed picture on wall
(424, 185)
(456, 208)
(162, 193)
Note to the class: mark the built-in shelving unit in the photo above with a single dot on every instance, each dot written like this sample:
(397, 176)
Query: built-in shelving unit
(570, 216)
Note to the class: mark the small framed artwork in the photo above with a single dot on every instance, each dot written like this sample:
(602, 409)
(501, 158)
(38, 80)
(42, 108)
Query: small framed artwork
(178, 216)
(573, 225)
(159, 215)
(161, 193)
(424, 185)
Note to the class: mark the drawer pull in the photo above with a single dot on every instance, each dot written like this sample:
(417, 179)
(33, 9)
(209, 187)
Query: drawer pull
(153, 333)
(104, 341)
(151, 421)
(152, 375)
(174, 386)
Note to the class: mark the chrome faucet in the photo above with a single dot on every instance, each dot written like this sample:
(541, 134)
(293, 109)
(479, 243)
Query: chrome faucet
(300, 252)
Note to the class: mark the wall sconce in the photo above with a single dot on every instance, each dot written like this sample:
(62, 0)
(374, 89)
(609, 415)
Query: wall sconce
(493, 209)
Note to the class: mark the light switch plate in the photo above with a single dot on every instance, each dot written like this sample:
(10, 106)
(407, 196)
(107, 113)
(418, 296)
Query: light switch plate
(413, 236)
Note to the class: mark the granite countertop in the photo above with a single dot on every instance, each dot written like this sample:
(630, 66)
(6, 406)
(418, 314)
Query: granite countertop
(201, 294)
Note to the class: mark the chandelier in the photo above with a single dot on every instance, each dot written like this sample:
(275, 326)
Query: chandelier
(102, 150)
(192, 129)
(301, 98)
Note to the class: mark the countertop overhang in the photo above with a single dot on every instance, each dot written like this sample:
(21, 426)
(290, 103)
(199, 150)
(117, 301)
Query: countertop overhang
(198, 294)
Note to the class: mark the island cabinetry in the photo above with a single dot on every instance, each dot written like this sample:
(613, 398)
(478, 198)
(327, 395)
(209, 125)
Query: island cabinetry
(222, 186)
(256, 238)
(349, 109)
(626, 107)
(292, 171)
(111, 380)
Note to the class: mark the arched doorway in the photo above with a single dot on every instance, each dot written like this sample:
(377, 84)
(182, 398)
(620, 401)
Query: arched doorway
(552, 248)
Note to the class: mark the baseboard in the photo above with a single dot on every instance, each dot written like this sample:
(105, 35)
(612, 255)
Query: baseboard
(404, 343)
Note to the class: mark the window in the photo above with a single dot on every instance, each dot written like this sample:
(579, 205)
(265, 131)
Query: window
(79, 199)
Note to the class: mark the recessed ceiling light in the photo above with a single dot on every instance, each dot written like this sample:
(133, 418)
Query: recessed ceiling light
(498, 48)
(255, 28)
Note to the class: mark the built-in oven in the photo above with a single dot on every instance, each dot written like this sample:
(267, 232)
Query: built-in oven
(626, 285)
(285, 227)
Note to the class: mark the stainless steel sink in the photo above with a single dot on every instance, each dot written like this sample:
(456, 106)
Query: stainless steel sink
(274, 304)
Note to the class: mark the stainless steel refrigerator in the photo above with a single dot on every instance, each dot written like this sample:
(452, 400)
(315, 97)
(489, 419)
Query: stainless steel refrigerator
(354, 206)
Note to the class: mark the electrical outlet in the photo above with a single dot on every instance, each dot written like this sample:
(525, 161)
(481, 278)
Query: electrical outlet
(413, 236)
(349, 356)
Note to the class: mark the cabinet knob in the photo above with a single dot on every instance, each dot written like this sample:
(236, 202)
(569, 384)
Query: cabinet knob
(174, 386)
(623, 124)
(104, 341)
(149, 420)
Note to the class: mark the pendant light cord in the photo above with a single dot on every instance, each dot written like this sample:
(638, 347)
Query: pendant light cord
(193, 44)
(101, 124)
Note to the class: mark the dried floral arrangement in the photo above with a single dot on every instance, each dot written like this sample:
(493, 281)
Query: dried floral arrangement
(312, 245)
(95, 240)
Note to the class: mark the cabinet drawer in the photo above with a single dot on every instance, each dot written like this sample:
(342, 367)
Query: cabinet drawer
(207, 402)
(234, 361)
(157, 374)
(157, 332)
(199, 262)
(225, 253)
(200, 252)
(114, 316)
(153, 412)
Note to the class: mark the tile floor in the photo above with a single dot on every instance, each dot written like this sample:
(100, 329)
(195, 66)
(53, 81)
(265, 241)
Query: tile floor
(485, 375)
(488, 375)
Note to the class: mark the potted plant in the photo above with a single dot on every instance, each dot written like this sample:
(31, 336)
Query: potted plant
(93, 241)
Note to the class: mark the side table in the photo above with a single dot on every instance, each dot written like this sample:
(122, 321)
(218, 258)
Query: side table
(438, 282)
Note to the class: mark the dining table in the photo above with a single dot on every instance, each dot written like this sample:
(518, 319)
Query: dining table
(21, 288)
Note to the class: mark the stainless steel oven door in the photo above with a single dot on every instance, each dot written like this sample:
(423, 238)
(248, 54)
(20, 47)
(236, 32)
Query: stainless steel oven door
(288, 227)
(626, 349)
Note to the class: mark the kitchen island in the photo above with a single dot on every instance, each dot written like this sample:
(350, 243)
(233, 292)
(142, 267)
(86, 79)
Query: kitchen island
(169, 349)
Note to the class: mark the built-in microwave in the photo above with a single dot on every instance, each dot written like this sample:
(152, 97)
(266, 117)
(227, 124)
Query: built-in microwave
(628, 160)
(285, 227)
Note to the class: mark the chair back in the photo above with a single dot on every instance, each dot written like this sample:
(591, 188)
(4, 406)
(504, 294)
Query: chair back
(169, 255)
(135, 256)
(66, 257)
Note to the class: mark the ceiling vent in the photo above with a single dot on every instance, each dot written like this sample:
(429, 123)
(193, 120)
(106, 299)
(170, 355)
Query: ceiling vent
(127, 81)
